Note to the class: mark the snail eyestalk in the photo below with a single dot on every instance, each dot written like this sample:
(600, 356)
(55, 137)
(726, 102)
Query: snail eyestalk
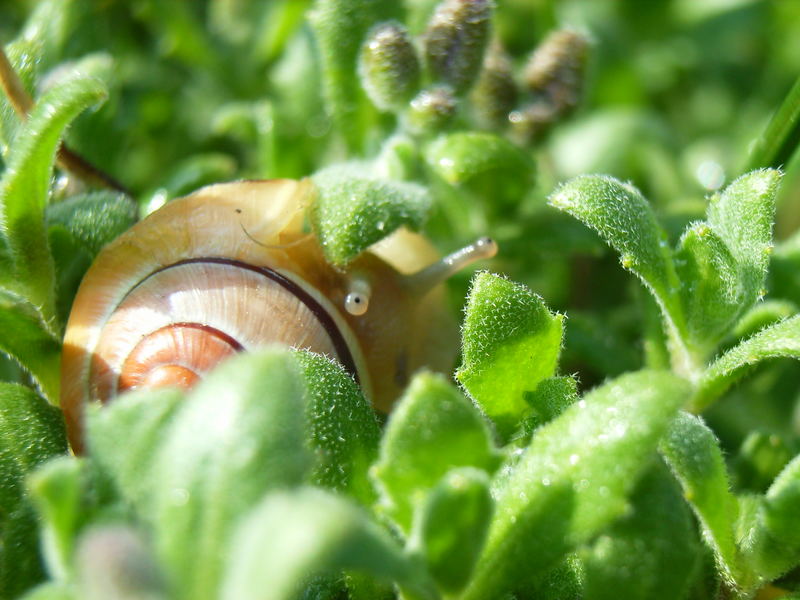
(451, 264)
(357, 300)
(67, 159)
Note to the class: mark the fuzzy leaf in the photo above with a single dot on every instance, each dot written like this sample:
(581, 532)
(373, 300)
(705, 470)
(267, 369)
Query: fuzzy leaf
(344, 432)
(113, 561)
(290, 535)
(432, 430)
(52, 591)
(761, 458)
(57, 490)
(490, 166)
(779, 340)
(239, 434)
(763, 314)
(651, 552)
(27, 338)
(353, 211)
(511, 342)
(31, 431)
(624, 219)
(710, 289)
(693, 454)
(550, 398)
(25, 56)
(24, 188)
(93, 219)
(143, 419)
(742, 216)
(775, 539)
(452, 524)
(575, 477)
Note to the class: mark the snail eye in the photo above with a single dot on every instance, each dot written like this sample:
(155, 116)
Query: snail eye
(357, 300)
(356, 304)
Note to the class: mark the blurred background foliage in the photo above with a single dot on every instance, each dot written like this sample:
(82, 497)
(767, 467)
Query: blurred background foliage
(676, 93)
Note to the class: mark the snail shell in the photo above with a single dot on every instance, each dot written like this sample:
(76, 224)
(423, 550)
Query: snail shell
(229, 268)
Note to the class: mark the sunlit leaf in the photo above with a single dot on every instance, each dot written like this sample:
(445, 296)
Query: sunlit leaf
(575, 477)
(291, 535)
(651, 552)
(511, 342)
(28, 266)
(693, 454)
(353, 210)
(432, 430)
(31, 431)
(779, 340)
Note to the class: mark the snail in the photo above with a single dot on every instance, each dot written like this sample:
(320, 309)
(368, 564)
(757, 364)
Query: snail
(230, 268)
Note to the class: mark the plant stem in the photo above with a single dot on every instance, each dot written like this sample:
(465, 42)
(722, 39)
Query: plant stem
(67, 159)
(780, 139)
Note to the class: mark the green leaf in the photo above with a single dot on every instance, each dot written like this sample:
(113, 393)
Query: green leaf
(93, 219)
(28, 338)
(451, 526)
(775, 540)
(239, 434)
(760, 460)
(51, 591)
(486, 164)
(693, 454)
(550, 398)
(763, 314)
(353, 211)
(778, 142)
(113, 561)
(24, 191)
(624, 219)
(25, 56)
(511, 342)
(31, 431)
(68, 493)
(711, 292)
(143, 418)
(651, 552)
(742, 217)
(290, 535)
(57, 491)
(432, 430)
(575, 477)
(779, 340)
(564, 581)
(344, 432)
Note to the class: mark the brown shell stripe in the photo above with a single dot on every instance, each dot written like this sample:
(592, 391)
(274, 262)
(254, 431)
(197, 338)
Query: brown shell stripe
(322, 315)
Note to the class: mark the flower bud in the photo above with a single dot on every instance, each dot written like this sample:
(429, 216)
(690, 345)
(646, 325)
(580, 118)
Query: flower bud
(495, 92)
(455, 40)
(530, 123)
(555, 71)
(431, 110)
(388, 66)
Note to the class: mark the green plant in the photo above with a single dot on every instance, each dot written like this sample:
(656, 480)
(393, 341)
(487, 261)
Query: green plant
(274, 478)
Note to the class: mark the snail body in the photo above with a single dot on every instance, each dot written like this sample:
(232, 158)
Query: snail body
(229, 268)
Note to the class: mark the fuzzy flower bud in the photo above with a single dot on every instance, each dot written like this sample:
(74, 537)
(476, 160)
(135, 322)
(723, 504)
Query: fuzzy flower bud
(388, 66)
(530, 123)
(495, 93)
(455, 40)
(431, 110)
(555, 71)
